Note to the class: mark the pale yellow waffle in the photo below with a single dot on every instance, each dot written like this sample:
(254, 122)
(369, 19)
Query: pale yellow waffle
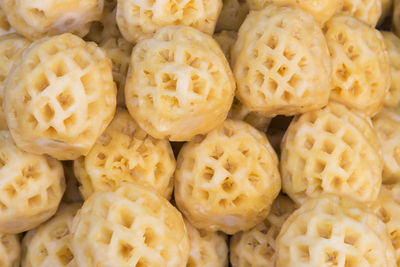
(321, 10)
(334, 231)
(226, 39)
(126, 153)
(11, 45)
(60, 96)
(368, 11)
(207, 249)
(72, 193)
(36, 19)
(31, 187)
(360, 64)
(387, 208)
(387, 127)
(106, 28)
(10, 250)
(129, 227)
(5, 27)
(228, 179)
(232, 15)
(392, 43)
(255, 119)
(48, 245)
(333, 150)
(119, 51)
(138, 20)
(281, 62)
(256, 247)
(179, 84)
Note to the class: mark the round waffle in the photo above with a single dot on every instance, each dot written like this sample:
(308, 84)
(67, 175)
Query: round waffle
(129, 227)
(281, 62)
(31, 187)
(126, 153)
(48, 245)
(333, 150)
(334, 231)
(360, 64)
(228, 179)
(36, 19)
(179, 84)
(60, 96)
(138, 20)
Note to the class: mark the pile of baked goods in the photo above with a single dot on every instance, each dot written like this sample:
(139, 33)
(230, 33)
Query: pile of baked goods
(213, 133)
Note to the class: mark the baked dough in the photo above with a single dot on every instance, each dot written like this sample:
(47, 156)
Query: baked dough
(31, 187)
(367, 11)
(360, 64)
(281, 62)
(334, 231)
(60, 96)
(333, 150)
(36, 19)
(48, 245)
(138, 20)
(129, 227)
(392, 43)
(10, 250)
(228, 179)
(179, 84)
(126, 153)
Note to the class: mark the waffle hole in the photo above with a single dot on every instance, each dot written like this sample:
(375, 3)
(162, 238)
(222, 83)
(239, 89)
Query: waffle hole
(64, 255)
(125, 250)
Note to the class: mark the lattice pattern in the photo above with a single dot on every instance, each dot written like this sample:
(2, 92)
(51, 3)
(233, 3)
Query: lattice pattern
(387, 127)
(138, 20)
(5, 27)
(226, 39)
(333, 150)
(227, 180)
(207, 249)
(129, 227)
(256, 247)
(255, 119)
(321, 10)
(387, 208)
(36, 19)
(360, 64)
(281, 62)
(334, 231)
(392, 43)
(232, 15)
(367, 11)
(126, 153)
(175, 81)
(119, 51)
(72, 193)
(48, 245)
(31, 187)
(106, 28)
(10, 250)
(11, 45)
(60, 97)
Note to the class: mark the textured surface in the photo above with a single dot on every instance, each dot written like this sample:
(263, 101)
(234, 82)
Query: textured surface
(129, 227)
(392, 43)
(207, 249)
(126, 153)
(227, 180)
(332, 150)
(138, 20)
(256, 247)
(367, 11)
(60, 96)
(36, 19)
(31, 187)
(48, 245)
(179, 84)
(360, 64)
(10, 250)
(281, 62)
(334, 231)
